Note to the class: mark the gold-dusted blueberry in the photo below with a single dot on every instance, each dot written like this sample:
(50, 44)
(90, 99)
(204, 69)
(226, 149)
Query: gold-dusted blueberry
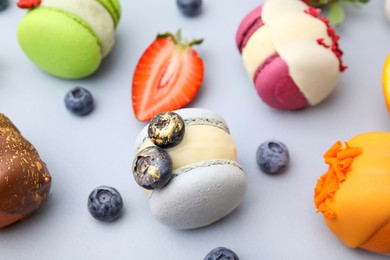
(166, 129)
(152, 168)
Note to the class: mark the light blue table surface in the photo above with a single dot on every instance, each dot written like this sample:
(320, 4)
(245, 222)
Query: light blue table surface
(276, 219)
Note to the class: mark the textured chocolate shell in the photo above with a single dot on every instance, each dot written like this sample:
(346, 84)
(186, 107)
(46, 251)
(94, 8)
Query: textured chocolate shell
(24, 178)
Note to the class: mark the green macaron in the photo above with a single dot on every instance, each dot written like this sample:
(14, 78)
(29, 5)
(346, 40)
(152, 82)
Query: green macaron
(114, 8)
(61, 43)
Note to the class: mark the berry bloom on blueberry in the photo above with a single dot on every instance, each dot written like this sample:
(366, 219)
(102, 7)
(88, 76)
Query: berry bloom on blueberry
(272, 156)
(105, 203)
(79, 101)
(221, 253)
(189, 7)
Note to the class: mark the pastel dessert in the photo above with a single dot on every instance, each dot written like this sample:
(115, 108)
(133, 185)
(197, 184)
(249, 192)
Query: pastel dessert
(68, 38)
(354, 194)
(386, 81)
(167, 76)
(24, 178)
(291, 53)
(387, 9)
(205, 183)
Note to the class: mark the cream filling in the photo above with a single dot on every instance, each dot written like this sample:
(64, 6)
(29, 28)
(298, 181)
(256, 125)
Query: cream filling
(200, 143)
(293, 34)
(258, 48)
(94, 14)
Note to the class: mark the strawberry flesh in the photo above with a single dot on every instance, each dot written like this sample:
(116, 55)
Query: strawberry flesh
(166, 78)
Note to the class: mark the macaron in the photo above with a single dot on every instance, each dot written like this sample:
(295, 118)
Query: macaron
(354, 194)
(290, 53)
(207, 182)
(68, 38)
(24, 178)
(387, 9)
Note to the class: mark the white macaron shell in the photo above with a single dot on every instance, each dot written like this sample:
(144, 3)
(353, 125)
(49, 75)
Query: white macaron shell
(207, 192)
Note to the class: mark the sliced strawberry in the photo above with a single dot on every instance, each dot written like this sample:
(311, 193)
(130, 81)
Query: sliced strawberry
(167, 76)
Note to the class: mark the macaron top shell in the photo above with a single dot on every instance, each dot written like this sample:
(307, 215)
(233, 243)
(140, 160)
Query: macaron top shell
(206, 138)
(73, 53)
(191, 116)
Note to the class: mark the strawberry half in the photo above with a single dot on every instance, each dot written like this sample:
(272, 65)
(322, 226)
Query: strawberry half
(167, 76)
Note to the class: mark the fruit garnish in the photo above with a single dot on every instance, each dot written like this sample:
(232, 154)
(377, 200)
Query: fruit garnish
(105, 203)
(189, 7)
(79, 101)
(221, 253)
(28, 4)
(386, 82)
(272, 156)
(166, 129)
(3, 4)
(331, 33)
(335, 11)
(167, 76)
(152, 168)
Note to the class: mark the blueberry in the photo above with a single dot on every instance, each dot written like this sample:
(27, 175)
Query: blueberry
(79, 101)
(189, 7)
(152, 168)
(3, 4)
(105, 203)
(166, 129)
(272, 156)
(221, 253)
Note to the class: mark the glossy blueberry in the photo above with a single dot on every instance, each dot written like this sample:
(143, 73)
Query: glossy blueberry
(272, 156)
(152, 168)
(189, 7)
(105, 203)
(79, 101)
(3, 4)
(221, 253)
(166, 129)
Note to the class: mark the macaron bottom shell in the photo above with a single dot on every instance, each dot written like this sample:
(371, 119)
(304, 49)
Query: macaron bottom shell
(275, 86)
(59, 43)
(201, 194)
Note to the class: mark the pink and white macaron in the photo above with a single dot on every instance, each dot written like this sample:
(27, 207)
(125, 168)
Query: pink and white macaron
(291, 54)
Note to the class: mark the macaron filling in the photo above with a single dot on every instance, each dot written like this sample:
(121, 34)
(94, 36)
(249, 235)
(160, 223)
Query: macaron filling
(113, 9)
(200, 143)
